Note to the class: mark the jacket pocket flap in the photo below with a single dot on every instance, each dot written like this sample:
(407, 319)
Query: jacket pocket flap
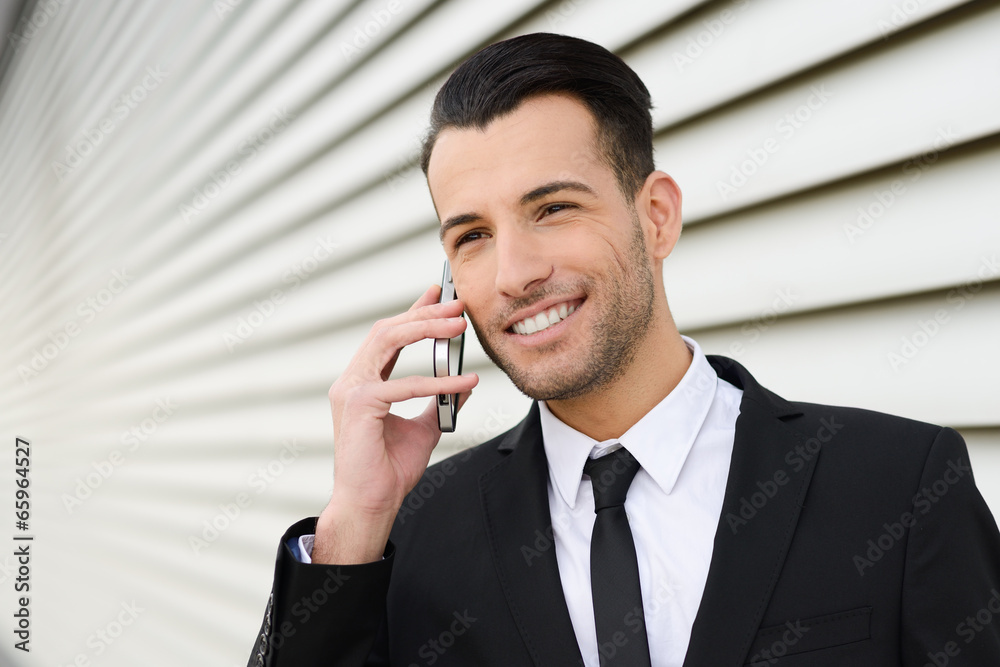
(810, 634)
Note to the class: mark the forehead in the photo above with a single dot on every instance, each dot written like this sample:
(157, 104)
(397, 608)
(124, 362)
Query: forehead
(547, 138)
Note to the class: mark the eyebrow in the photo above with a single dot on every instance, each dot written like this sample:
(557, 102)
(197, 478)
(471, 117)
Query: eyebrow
(455, 221)
(552, 188)
(527, 198)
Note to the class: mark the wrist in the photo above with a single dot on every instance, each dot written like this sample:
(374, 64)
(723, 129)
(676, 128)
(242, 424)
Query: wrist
(348, 535)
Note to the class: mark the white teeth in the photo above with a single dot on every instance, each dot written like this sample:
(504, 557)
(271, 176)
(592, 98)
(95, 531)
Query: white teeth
(543, 320)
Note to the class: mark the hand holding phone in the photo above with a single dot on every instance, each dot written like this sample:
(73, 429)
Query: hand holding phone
(380, 456)
(448, 353)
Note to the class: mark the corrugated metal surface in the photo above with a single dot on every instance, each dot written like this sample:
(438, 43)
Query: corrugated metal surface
(205, 205)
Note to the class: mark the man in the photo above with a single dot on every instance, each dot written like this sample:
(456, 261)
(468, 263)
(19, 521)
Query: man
(749, 530)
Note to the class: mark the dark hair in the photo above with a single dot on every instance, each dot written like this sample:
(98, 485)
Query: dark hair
(497, 79)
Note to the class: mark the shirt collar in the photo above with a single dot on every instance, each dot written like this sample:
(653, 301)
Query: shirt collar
(660, 441)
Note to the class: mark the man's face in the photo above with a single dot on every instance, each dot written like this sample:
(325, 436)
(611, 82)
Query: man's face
(549, 259)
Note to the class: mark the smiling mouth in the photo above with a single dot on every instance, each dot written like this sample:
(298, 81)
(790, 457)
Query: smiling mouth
(544, 319)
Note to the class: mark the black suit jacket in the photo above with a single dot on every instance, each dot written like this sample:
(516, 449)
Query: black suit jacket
(847, 537)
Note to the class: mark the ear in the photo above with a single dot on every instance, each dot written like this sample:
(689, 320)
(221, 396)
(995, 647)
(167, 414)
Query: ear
(659, 207)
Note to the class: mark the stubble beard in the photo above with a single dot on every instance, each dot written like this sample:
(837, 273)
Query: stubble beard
(622, 322)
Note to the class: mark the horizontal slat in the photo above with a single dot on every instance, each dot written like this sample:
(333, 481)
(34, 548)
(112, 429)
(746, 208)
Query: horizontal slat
(873, 237)
(880, 356)
(729, 49)
(589, 20)
(792, 146)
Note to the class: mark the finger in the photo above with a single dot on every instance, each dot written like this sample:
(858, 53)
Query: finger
(386, 344)
(426, 312)
(417, 312)
(383, 363)
(417, 386)
(430, 297)
(429, 415)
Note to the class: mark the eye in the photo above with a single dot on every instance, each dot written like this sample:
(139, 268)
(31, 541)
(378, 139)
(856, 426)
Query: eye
(469, 237)
(556, 208)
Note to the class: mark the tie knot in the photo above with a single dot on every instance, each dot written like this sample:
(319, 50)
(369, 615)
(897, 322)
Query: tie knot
(611, 475)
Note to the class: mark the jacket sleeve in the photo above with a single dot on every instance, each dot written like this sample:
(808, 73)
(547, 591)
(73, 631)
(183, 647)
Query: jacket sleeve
(323, 615)
(951, 586)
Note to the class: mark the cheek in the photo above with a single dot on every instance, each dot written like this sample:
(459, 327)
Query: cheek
(472, 286)
(584, 253)
(589, 237)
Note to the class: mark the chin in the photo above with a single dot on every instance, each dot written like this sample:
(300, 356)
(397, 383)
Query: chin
(554, 387)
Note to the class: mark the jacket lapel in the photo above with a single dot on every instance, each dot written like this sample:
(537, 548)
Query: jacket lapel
(755, 528)
(516, 509)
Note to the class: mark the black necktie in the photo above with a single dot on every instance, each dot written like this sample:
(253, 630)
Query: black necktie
(614, 571)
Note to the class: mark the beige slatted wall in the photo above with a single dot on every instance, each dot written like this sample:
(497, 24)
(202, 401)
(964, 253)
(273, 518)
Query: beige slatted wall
(205, 205)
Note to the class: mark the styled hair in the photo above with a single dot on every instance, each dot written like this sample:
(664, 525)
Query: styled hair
(496, 80)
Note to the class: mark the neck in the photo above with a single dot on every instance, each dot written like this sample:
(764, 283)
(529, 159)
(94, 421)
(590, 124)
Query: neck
(658, 366)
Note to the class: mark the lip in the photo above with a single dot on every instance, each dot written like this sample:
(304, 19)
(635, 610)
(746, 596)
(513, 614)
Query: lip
(548, 334)
(540, 307)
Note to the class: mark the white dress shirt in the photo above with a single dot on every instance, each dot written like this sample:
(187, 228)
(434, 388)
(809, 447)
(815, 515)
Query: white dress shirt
(684, 445)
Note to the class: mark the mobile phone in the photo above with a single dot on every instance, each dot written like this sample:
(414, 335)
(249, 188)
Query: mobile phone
(448, 353)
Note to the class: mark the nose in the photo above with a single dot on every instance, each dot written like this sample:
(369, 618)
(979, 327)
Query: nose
(522, 263)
